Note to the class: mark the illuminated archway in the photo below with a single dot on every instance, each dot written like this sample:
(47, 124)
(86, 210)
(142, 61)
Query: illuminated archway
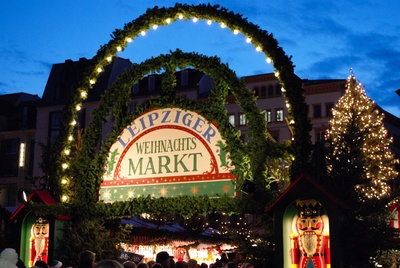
(262, 41)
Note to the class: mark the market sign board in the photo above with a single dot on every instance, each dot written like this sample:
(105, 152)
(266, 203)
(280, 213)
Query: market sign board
(167, 153)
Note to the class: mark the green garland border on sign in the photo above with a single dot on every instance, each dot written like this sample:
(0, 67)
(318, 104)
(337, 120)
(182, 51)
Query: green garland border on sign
(262, 41)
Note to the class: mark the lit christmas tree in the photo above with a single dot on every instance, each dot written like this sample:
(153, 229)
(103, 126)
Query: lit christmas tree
(359, 146)
(360, 167)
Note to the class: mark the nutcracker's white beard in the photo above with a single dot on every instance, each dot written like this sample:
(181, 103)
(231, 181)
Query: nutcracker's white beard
(309, 242)
(39, 246)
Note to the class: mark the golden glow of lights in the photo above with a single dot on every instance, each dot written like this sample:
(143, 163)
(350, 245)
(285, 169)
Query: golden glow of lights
(64, 198)
(21, 154)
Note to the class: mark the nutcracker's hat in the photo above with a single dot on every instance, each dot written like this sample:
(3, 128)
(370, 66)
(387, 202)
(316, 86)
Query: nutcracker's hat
(309, 208)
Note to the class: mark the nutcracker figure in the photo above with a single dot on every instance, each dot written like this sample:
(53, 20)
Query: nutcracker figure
(39, 241)
(309, 241)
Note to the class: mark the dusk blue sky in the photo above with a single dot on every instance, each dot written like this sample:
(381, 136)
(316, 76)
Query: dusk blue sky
(324, 38)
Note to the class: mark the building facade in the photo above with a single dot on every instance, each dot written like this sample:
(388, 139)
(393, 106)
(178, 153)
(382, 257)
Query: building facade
(45, 114)
(17, 145)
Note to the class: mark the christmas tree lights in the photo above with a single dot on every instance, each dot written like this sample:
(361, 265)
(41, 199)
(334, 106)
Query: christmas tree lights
(359, 144)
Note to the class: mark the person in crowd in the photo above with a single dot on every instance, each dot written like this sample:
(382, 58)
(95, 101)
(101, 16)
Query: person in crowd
(203, 265)
(55, 264)
(41, 264)
(87, 259)
(164, 259)
(192, 263)
(129, 264)
(20, 264)
(231, 264)
(181, 264)
(8, 258)
(108, 264)
(247, 265)
(157, 265)
(150, 263)
(142, 265)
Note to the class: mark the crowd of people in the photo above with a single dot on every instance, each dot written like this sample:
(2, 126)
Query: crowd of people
(87, 259)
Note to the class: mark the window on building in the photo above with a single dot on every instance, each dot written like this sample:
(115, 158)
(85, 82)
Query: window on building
(242, 119)
(8, 195)
(184, 78)
(328, 109)
(9, 157)
(152, 83)
(54, 126)
(278, 90)
(279, 115)
(320, 135)
(317, 111)
(270, 91)
(256, 91)
(232, 119)
(268, 115)
(263, 91)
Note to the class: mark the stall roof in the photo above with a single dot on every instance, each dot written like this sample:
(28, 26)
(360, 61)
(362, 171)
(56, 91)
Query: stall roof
(36, 196)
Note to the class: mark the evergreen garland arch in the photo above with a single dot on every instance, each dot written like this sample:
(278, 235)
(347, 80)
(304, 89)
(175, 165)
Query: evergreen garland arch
(262, 41)
(118, 96)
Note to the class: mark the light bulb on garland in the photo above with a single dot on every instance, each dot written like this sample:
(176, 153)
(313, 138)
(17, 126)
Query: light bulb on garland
(64, 198)
(83, 94)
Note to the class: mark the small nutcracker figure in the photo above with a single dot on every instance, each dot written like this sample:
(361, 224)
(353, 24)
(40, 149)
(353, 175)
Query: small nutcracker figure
(39, 241)
(309, 241)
